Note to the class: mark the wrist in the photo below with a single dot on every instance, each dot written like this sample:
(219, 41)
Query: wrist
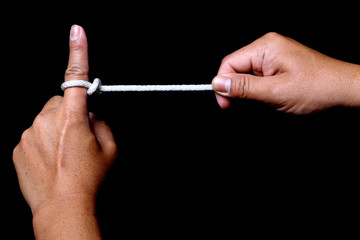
(66, 216)
(351, 91)
(64, 203)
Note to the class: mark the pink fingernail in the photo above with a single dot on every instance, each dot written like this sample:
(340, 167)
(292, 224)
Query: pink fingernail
(74, 33)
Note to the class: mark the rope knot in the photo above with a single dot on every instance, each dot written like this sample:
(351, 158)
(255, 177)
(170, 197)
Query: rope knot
(95, 87)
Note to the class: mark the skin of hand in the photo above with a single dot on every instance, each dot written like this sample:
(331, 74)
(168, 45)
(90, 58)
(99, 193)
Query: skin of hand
(63, 157)
(282, 72)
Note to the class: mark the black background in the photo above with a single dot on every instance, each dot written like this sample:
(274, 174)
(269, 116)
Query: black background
(186, 167)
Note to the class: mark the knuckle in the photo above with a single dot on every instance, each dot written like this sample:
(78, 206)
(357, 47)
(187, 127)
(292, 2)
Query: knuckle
(76, 70)
(16, 153)
(56, 99)
(53, 103)
(43, 123)
(39, 121)
(111, 151)
(241, 86)
(114, 150)
(25, 137)
(224, 60)
(78, 47)
(16, 156)
(272, 36)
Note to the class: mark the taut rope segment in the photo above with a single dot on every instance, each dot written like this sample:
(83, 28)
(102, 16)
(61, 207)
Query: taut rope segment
(97, 87)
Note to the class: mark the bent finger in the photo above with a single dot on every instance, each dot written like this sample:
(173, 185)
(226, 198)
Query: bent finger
(104, 135)
(223, 102)
(53, 103)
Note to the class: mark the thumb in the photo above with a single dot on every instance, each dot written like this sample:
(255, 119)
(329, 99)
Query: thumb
(247, 86)
(78, 68)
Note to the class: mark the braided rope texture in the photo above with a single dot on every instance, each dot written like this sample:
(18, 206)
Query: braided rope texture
(97, 87)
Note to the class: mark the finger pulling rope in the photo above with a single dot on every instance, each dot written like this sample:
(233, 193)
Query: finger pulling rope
(97, 87)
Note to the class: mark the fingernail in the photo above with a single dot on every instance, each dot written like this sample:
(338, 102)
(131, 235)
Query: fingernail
(74, 33)
(222, 85)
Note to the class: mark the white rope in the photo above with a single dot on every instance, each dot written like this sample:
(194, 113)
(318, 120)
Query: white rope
(97, 87)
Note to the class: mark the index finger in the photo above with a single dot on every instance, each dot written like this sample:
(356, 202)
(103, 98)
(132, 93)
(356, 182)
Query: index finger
(240, 61)
(78, 69)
